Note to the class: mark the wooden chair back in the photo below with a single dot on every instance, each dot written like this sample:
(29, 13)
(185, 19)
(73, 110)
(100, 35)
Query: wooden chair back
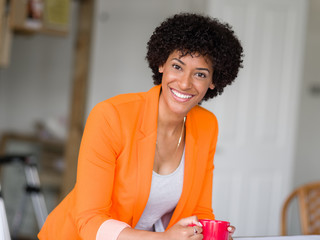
(308, 197)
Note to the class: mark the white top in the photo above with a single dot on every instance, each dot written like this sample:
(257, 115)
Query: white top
(164, 195)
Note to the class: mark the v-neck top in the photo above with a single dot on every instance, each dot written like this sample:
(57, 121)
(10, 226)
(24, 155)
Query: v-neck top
(164, 196)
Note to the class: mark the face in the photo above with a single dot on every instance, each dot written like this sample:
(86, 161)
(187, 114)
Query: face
(185, 81)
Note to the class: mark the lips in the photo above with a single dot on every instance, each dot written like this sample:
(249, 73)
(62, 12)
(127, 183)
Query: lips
(181, 95)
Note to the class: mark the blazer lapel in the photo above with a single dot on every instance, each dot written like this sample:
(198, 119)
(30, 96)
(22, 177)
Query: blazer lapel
(146, 143)
(146, 149)
(191, 166)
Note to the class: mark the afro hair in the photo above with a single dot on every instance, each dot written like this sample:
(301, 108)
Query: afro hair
(191, 33)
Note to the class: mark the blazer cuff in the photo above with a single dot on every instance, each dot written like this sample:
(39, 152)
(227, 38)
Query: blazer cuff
(110, 229)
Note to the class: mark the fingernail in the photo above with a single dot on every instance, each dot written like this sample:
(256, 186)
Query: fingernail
(229, 229)
(199, 223)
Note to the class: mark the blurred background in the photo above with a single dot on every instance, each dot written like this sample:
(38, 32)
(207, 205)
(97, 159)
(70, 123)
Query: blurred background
(59, 58)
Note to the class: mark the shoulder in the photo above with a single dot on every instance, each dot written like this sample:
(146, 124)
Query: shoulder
(120, 103)
(127, 110)
(130, 105)
(203, 123)
(204, 117)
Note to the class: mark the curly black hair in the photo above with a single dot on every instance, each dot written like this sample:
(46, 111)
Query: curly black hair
(192, 33)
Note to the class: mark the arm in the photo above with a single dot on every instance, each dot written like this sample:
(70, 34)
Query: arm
(204, 206)
(99, 149)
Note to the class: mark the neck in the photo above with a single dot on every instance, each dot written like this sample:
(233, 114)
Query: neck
(170, 127)
(162, 134)
(169, 121)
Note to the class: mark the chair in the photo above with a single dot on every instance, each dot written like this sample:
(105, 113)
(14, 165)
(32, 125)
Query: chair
(308, 197)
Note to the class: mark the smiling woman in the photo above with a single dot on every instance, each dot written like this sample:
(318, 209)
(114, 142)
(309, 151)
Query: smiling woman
(145, 164)
(193, 35)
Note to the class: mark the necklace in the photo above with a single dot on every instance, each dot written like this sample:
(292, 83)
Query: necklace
(179, 141)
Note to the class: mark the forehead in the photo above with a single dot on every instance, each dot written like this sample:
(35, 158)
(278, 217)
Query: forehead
(187, 54)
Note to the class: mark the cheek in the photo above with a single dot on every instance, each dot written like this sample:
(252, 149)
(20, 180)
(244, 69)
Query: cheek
(203, 87)
(169, 76)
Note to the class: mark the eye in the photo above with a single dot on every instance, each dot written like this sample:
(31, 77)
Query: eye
(176, 66)
(201, 75)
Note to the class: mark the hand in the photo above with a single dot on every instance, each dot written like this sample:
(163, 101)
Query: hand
(231, 230)
(182, 230)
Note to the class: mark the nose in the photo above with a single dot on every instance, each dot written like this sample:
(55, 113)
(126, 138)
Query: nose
(185, 82)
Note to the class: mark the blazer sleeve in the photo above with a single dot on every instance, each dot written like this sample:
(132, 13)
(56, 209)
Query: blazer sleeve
(100, 146)
(204, 207)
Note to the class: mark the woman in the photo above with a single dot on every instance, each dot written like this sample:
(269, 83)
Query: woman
(145, 164)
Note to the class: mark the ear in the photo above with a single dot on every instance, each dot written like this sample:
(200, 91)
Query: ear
(161, 69)
(211, 86)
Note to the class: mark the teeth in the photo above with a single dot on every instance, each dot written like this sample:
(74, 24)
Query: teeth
(180, 95)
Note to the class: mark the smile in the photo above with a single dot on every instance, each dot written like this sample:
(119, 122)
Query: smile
(180, 95)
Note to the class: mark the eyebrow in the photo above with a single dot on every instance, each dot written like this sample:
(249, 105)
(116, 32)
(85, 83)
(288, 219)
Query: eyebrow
(201, 69)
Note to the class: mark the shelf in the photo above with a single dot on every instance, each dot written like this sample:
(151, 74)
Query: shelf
(40, 16)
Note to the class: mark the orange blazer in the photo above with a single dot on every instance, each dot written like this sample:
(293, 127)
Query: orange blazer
(115, 167)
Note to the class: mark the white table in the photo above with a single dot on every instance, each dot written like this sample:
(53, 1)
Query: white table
(301, 237)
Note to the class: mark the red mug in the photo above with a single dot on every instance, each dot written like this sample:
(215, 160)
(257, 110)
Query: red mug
(214, 229)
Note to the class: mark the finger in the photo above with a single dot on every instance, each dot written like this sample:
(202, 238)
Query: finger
(196, 230)
(190, 221)
(192, 231)
(195, 234)
(231, 230)
(197, 237)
